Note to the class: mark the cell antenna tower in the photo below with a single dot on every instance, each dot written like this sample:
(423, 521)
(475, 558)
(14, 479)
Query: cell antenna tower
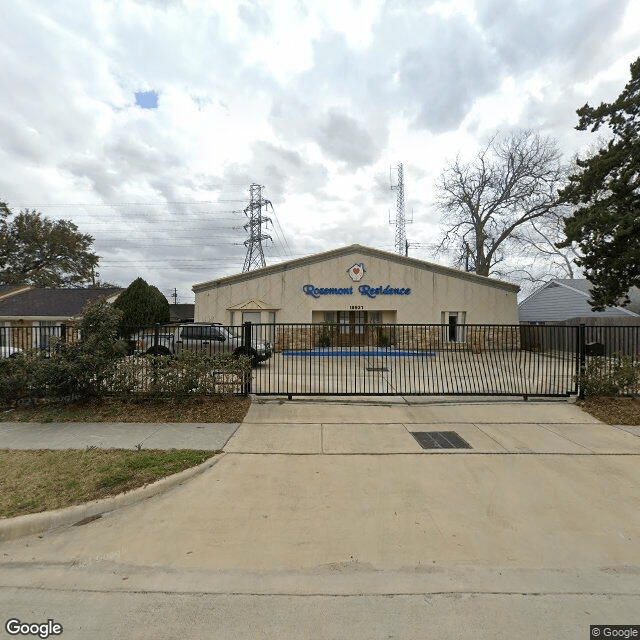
(400, 220)
(255, 255)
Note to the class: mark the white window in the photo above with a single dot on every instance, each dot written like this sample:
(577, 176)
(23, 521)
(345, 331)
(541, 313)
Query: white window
(454, 329)
(269, 330)
(251, 316)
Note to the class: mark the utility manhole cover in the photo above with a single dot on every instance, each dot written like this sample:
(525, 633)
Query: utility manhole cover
(440, 440)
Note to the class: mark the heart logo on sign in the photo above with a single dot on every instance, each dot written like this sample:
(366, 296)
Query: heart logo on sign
(356, 271)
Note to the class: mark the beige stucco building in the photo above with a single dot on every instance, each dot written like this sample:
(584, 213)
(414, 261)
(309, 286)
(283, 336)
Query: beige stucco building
(357, 285)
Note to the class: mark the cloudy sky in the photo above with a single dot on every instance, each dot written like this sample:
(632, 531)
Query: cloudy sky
(318, 101)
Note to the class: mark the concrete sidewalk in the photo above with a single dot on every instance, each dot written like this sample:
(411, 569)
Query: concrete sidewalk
(123, 435)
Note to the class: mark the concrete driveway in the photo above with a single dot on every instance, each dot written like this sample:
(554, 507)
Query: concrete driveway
(327, 520)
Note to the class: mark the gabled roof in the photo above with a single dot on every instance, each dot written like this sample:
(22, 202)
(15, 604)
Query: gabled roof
(52, 303)
(545, 304)
(252, 305)
(583, 285)
(361, 250)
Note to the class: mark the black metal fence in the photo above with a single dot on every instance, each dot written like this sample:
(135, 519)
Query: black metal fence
(361, 360)
(368, 359)
(133, 365)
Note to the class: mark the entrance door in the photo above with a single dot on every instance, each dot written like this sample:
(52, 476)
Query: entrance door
(352, 330)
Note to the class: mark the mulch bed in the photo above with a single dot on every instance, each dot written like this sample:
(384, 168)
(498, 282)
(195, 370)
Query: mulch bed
(621, 410)
(196, 409)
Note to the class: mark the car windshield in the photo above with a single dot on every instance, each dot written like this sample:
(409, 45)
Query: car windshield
(205, 332)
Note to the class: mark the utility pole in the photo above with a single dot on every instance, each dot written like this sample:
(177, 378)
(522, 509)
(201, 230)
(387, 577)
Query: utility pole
(255, 255)
(174, 295)
(400, 220)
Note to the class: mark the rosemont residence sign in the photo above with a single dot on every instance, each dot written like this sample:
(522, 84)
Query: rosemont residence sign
(363, 289)
(356, 272)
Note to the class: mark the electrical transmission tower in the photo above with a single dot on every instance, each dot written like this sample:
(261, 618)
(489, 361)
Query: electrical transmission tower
(255, 255)
(400, 221)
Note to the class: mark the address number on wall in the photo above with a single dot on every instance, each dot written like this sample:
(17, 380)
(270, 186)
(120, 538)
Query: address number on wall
(356, 307)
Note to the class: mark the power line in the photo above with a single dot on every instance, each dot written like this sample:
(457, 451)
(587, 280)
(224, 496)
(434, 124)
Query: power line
(126, 204)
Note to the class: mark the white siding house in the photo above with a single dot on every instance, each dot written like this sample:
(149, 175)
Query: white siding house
(561, 300)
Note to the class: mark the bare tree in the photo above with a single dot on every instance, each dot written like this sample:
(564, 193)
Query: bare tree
(541, 259)
(490, 204)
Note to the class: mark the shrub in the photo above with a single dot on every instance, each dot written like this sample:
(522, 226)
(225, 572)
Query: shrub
(610, 377)
(93, 366)
(324, 340)
(13, 379)
(69, 370)
(186, 374)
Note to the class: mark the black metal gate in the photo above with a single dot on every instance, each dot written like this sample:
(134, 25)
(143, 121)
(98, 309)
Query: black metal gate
(497, 360)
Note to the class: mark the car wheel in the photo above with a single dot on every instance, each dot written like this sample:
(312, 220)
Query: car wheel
(158, 351)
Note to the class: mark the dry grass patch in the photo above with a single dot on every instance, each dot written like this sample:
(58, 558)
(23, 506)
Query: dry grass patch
(193, 409)
(34, 481)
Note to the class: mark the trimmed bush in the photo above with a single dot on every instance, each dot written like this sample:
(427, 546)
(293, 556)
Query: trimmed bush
(610, 377)
(141, 305)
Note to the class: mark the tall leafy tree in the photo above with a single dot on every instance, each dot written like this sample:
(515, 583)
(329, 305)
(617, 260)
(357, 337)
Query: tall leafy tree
(142, 305)
(605, 192)
(42, 252)
(489, 204)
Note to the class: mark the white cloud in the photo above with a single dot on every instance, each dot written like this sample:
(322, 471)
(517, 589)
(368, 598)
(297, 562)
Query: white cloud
(315, 101)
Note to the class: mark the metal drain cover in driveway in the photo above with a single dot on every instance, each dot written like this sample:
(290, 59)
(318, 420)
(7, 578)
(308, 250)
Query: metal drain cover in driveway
(440, 440)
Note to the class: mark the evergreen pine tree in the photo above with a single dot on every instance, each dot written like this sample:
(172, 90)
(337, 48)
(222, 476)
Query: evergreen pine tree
(142, 305)
(606, 194)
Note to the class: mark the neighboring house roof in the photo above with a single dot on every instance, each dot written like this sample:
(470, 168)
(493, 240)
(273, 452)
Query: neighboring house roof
(362, 250)
(36, 303)
(562, 299)
(7, 290)
(181, 312)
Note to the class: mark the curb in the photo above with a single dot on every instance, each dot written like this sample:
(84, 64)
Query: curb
(19, 526)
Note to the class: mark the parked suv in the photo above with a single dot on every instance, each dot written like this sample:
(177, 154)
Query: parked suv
(211, 338)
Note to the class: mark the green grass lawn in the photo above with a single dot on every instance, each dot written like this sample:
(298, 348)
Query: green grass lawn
(41, 480)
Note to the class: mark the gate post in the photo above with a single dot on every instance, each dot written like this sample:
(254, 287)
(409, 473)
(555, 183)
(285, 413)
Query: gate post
(246, 347)
(154, 362)
(582, 358)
